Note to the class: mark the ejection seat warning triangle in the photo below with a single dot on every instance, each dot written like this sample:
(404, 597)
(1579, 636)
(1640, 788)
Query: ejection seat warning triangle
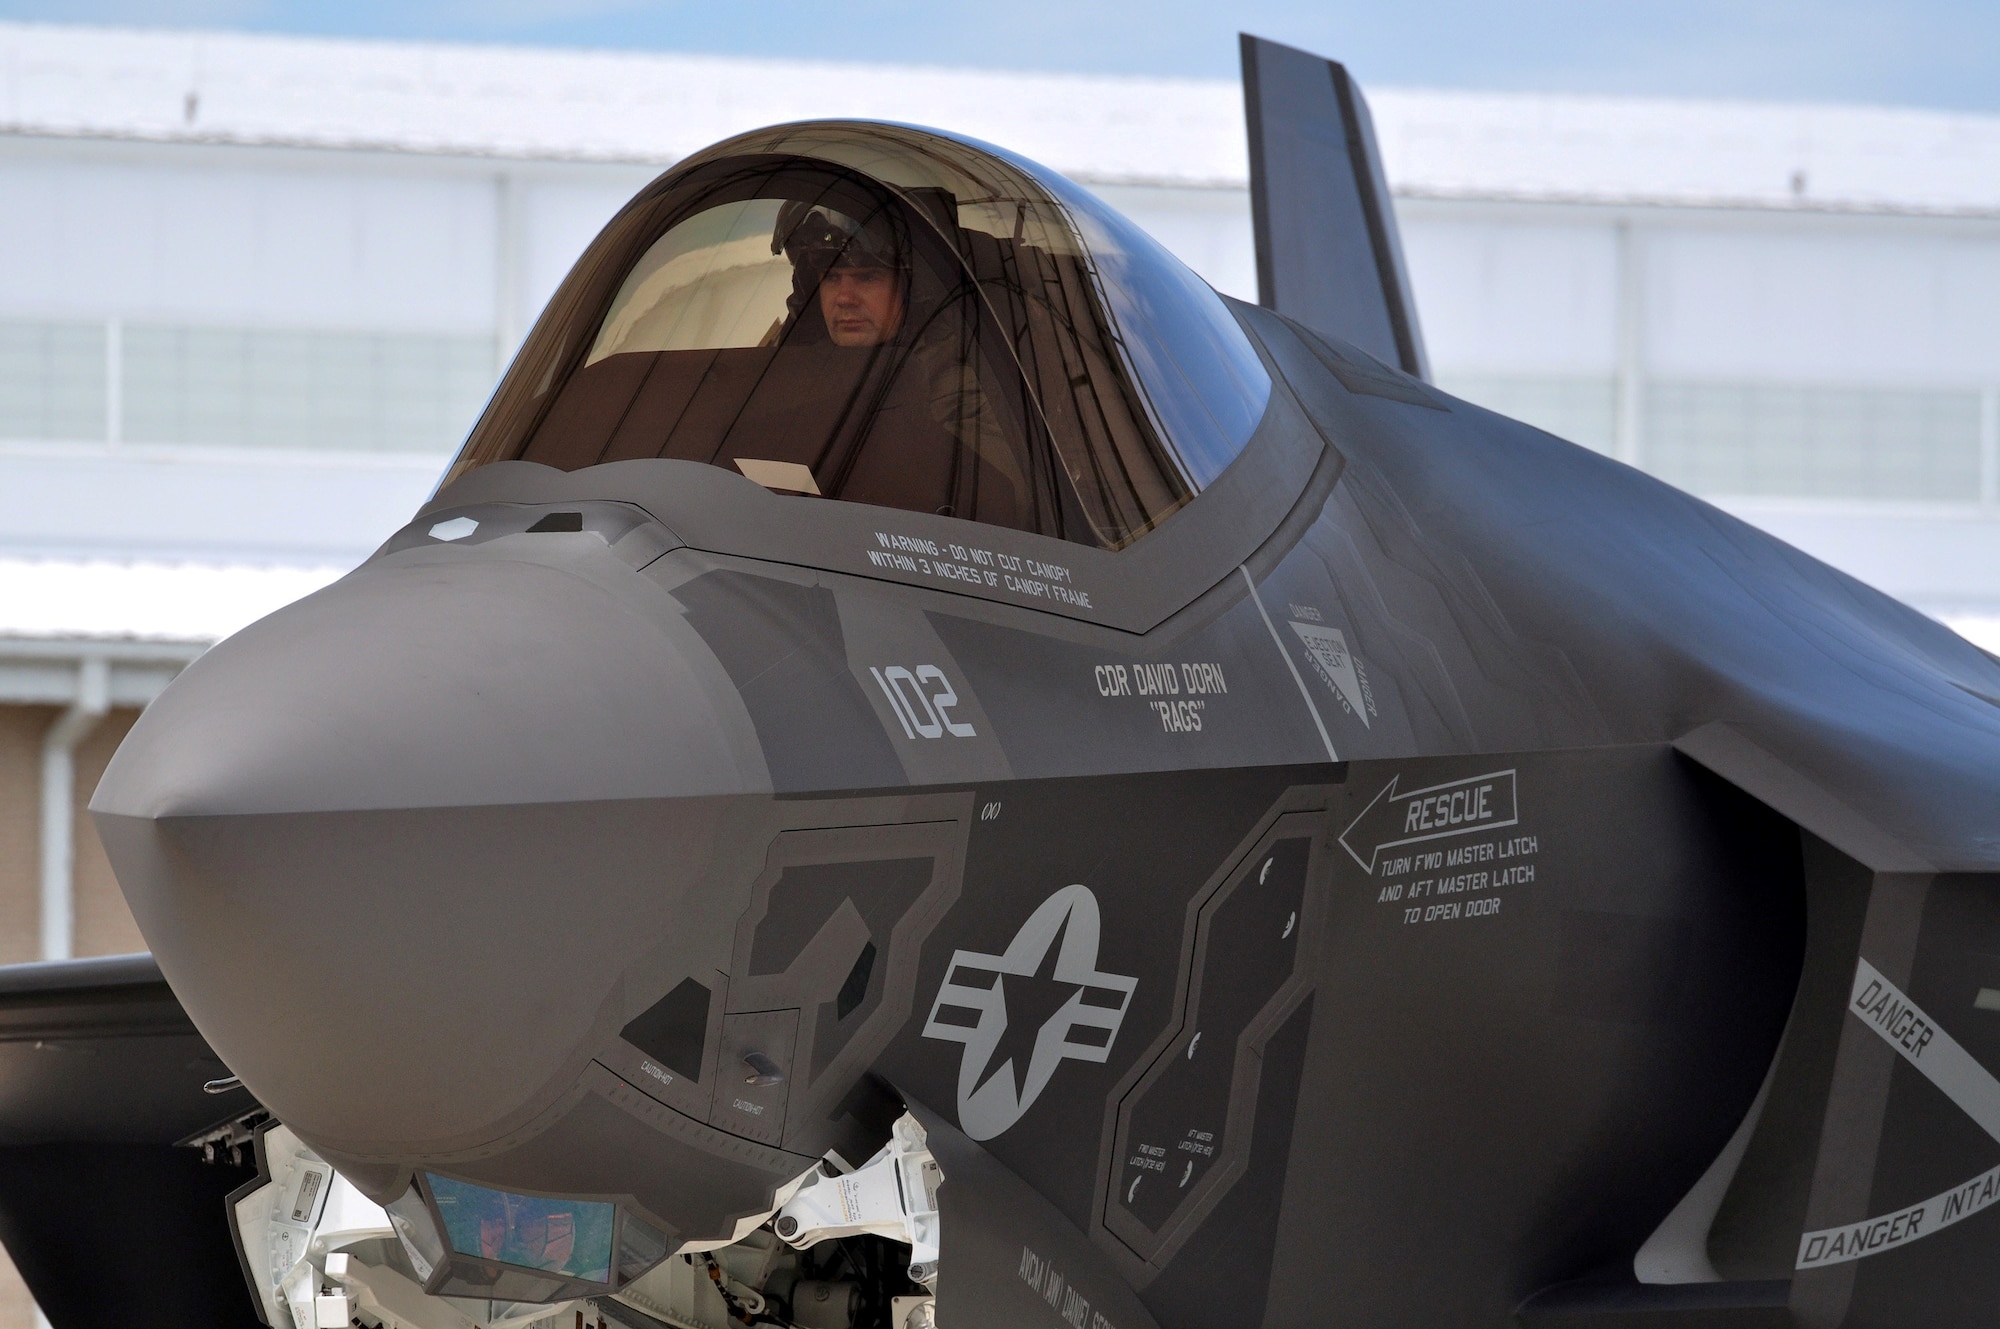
(1436, 812)
(1331, 660)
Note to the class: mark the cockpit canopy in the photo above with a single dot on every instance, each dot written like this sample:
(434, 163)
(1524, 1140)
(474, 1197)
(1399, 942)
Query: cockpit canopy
(888, 315)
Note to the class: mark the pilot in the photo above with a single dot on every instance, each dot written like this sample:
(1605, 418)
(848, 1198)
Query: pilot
(860, 271)
(857, 276)
(861, 301)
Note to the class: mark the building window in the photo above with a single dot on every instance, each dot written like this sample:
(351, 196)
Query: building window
(322, 391)
(1581, 408)
(1768, 439)
(52, 380)
(240, 387)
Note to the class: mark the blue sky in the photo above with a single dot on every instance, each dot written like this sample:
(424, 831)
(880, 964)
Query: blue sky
(1942, 53)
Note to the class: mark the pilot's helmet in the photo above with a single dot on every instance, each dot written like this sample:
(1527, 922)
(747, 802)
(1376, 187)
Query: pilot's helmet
(815, 237)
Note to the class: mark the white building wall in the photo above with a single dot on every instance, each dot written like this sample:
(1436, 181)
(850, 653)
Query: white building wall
(1513, 295)
(256, 332)
(210, 236)
(1837, 299)
(1833, 377)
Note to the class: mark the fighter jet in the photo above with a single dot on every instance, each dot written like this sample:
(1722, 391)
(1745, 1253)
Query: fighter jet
(922, 767)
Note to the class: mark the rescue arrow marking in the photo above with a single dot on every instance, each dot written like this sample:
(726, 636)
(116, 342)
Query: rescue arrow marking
(1457, 807)
(1901, 1023)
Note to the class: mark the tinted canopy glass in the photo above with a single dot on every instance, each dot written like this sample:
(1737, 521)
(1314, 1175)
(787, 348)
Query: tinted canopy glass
(887, 315)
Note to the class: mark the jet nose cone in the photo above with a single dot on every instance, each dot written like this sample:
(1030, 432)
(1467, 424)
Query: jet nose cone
(393, 844)
(471, 683)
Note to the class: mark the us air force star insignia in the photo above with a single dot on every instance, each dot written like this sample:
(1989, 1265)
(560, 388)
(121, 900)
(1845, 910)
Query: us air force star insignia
(991, 1099)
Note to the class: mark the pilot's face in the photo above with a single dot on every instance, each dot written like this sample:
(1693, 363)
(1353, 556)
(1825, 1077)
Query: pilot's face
(861, 306)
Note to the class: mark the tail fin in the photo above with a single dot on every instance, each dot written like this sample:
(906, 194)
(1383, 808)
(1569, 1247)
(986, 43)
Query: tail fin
(1327, 250)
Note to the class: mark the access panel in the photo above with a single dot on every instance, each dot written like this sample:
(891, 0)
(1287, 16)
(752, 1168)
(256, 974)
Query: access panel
(1183, 1133)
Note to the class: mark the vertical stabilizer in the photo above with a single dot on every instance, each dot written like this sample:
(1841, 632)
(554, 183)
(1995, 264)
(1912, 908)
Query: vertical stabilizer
(1327, 250)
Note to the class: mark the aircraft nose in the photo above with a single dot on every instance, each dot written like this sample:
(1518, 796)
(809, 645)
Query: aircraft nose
(483, 681)
(393, 845)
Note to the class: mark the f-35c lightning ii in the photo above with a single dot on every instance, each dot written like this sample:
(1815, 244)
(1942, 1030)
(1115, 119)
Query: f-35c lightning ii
(924, 768)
